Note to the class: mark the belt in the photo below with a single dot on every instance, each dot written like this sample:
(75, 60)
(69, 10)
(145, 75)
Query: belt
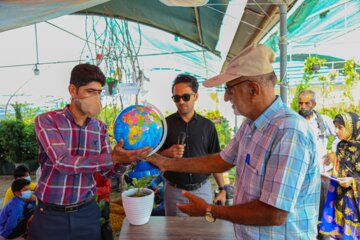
(64, 208)
(187, 187)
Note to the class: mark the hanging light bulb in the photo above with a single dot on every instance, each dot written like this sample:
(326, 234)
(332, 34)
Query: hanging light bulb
(36, 70)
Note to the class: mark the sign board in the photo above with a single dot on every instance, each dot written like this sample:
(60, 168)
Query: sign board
(128, 88)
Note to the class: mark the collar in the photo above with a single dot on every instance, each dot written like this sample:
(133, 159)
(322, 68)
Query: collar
(264, 119)
(19, 200)
(68, 114)
(195, 117)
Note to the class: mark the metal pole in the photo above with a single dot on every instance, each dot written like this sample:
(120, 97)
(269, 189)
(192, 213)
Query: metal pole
(283, 53)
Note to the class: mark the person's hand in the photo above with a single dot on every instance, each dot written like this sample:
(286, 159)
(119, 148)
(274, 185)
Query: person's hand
(329, 158)
(346, 182)
(221, 197)
(196, 207)
(176, 150)
(32, 198)
(121, 156)
(157, 160)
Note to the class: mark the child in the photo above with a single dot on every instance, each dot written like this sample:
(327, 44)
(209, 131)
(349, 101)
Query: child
(12, 220)
(341, 216)
(20, 172)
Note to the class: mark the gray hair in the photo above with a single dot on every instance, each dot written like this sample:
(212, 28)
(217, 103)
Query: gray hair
(266, 79)
(308, 91)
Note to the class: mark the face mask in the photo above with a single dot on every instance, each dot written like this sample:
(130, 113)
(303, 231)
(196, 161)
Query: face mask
(305, 113)
(26, 194)
(91, 106)
(28, 178)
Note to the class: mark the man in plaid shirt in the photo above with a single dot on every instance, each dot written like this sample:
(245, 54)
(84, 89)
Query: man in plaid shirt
(74, 145)
(277, 174)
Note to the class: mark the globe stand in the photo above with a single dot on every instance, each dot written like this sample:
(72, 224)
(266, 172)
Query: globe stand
(144, 169)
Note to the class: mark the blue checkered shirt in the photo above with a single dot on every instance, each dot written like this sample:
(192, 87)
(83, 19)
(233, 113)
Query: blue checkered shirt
(275, 156)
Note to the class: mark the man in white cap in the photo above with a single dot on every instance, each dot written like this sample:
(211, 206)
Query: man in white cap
(274, 151)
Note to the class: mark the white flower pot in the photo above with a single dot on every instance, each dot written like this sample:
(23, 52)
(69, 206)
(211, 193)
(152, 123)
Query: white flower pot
(138, 209)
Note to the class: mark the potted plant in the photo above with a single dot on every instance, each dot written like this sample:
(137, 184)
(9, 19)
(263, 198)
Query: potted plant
(112, 85)
(138, 201)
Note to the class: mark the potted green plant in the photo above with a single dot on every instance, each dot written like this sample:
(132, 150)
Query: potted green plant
(112, 84)
(333, 74)
(138, 201)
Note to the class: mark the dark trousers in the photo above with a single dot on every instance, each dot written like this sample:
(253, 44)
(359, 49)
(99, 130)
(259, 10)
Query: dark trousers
(82, 224)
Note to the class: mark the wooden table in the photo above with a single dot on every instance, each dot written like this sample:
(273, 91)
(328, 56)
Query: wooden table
(178, 228)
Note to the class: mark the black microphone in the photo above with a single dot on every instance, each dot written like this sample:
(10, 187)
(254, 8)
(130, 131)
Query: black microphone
(182, 138)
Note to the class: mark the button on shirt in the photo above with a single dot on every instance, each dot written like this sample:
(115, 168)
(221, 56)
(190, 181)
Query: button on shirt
(276, 163)
(69, 156)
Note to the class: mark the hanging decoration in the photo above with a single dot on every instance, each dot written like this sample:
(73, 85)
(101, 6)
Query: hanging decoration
(111, 46)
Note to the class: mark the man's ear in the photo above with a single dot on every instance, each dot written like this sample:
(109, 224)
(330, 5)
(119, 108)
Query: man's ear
(254, 89)
(314, 104)
(72, 90)
(18, 194)
(196, 96)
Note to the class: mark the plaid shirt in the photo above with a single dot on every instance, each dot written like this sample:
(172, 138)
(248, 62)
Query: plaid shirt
(276, 164)
(69, 156)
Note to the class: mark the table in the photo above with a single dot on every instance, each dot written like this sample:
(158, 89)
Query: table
(178, 228)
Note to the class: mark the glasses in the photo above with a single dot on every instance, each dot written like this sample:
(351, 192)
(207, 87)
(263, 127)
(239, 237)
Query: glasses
(228, 88)
(186, 97)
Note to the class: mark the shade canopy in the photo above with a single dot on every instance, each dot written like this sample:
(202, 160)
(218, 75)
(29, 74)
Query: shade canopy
(200, 25)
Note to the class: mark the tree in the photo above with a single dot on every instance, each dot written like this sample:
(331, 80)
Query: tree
(222, 126)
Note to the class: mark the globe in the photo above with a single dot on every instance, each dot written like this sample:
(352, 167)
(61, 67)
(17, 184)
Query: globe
(140, 126)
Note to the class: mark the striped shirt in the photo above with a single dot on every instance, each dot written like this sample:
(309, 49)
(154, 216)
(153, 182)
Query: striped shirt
(275, 156)
(69, 156)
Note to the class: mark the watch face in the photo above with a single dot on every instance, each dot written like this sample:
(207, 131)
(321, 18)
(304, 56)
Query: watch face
(209, 217)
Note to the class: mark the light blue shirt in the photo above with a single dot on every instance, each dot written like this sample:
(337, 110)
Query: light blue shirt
(321, 140)
(275, 156)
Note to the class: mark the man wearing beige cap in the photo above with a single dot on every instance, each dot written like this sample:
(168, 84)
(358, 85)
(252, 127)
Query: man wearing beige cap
(278, 177)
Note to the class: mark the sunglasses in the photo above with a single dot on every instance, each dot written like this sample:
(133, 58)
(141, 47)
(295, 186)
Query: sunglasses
(186, 97)
(228, 88)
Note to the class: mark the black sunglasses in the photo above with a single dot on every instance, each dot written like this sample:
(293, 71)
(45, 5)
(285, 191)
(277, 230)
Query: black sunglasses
(185, 97)
(228, 88)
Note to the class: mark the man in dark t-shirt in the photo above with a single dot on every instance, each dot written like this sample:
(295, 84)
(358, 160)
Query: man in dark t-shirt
(189, 135)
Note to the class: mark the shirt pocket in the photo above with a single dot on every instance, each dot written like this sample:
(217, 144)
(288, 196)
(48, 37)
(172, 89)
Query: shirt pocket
(251, 183)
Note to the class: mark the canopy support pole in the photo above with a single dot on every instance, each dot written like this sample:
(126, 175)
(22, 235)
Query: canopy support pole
(283, 53)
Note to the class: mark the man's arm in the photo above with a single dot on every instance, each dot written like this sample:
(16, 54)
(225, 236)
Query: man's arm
(53, 144)
(204, 164)
(219, 178)
(252, 213)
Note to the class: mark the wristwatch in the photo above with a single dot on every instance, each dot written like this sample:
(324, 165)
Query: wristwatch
(208, 215)
(221, 189)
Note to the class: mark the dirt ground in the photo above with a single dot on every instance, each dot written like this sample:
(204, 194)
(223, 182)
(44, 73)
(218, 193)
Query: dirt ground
(5, 182)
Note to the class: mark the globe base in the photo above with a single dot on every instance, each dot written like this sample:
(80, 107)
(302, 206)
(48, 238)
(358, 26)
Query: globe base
(144, 169)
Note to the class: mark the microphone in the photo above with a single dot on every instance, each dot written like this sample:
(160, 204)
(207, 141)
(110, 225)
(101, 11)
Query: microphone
(182, 138)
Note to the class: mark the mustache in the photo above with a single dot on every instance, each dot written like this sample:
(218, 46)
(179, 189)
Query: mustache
(305, 112)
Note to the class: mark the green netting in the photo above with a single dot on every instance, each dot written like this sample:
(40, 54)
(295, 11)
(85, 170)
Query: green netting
(315, 21)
